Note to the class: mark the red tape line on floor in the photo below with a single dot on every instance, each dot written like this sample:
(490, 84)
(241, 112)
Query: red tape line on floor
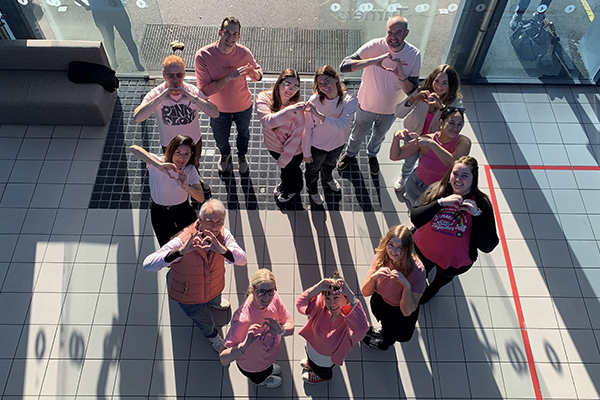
(513, 282)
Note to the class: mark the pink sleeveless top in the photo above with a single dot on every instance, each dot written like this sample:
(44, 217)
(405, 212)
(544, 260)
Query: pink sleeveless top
(445, 239)
(431, 168)
(428, 120)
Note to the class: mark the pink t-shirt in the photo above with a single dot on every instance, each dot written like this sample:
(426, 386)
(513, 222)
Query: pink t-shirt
(176, 116)
(445, 239)
(392, 291)
(335, 130)
(263, 352)
(212, 65)
(282, 130)
(334, 339)
(431, 169)
(380, 90)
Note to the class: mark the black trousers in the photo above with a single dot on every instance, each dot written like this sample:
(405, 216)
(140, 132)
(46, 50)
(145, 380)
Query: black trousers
(256, 377)
(323, 163)
(322, 372)
(291, 175)
(167, 222)
(395, 327)
(442, 276)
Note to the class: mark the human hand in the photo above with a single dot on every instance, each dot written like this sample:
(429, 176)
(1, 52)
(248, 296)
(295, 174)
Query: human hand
(424, 142)
(185, 94)
(181, 179)
(167, 168)
(469, 206)
(211, 242)
(434, 100)
(421, 96)
(383, 271)
(399, 278)
(397, 69)
(378, 61)
(193, 243)
(244, 70)
(254, 331)
(272, 326)
(299, 106)
(454, 200)
(308, 160)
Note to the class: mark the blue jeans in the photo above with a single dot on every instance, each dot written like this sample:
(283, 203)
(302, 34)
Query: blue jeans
(200, 314)
(221, 127)
(415, 187)
(408, 164)
(365, 122)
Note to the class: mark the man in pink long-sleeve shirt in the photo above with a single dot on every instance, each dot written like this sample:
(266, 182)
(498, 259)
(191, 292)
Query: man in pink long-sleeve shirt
(221, 71)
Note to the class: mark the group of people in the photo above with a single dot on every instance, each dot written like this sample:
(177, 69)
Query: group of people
(452, 219)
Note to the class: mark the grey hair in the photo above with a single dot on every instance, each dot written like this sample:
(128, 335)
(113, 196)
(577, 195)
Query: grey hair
(214, 205)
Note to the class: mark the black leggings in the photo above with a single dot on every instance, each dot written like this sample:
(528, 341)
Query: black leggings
(395, 327)
(256, 377)
(324, 373)
(292, 180)
(168, 222)
(442, 276)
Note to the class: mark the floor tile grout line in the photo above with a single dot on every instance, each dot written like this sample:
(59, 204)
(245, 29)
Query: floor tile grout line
(513, 284)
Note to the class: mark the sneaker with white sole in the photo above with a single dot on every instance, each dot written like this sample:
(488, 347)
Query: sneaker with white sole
(304, 364)
(317, 198)
(344, 162)
(242, 164)
(276, 369)
(271, 382)
(311, 377)
(334, 185)
(373, 166)
(278, 190)
(284, 198)
(216, 342)
(224, 163)
(399, 184)
(224, 305)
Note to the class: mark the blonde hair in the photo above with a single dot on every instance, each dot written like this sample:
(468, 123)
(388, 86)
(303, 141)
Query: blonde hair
(261, 276)
(406, 260)
(173, 59)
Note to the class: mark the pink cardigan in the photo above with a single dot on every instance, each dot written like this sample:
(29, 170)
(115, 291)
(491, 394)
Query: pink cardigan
(282, 130)
(333, 339)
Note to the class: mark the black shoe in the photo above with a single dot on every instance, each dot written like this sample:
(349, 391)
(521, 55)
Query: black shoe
(344, 162)
(427, 295)
(373, 166)
(375, 343)
(206, 189)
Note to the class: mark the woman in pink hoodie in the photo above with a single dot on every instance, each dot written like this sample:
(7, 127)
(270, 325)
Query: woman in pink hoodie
(281, 114)
(336, 322)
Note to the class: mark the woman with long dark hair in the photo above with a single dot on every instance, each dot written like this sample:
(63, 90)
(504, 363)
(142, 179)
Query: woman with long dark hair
(453, 219)
(281, 114)
(329, 112)
(173, 178)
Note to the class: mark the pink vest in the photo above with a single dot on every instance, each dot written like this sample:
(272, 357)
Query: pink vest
(197, 277)
(431, 169)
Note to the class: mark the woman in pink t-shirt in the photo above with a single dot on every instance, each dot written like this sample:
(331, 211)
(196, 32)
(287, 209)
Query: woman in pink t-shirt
(281, 114)
(453, 219)
(438, 151)
(395, 281)
(336, 322)
(257, 326)
(421, 110)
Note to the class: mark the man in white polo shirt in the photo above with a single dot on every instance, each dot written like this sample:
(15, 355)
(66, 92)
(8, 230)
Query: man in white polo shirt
(390, 72)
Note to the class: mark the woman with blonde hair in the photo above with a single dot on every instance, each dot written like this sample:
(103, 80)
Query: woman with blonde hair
(257, 326)
(395, 281)
(329, 112)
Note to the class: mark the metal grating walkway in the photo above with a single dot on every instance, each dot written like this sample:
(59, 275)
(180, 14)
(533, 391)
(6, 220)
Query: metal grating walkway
(274, 48)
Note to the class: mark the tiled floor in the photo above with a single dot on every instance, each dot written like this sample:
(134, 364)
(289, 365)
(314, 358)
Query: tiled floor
(79, 318)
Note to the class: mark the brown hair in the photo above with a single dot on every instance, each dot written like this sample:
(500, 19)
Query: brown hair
(261, 276)
(329, 71)
(231, 20)
(406, 260)
(453, 92)
(178, 141)
(287, 73)
(443, 188)
(173, 59)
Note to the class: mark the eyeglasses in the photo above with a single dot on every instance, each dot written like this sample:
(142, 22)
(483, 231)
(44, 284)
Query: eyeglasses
(453, 109)
(289, 85)
(178, 75)
(229, 33)
(264, 292)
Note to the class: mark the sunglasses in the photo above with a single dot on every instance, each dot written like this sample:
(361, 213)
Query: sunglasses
(454, 109)
(178, 75)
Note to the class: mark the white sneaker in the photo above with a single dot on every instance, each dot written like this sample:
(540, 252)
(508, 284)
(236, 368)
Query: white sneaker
(284, 198)
(399, 184)
(276, 369)
(225, 305)
(216, 342)
(317, 198)
(271, 382)
(278, 190)
(224, 163)
(335, 185)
